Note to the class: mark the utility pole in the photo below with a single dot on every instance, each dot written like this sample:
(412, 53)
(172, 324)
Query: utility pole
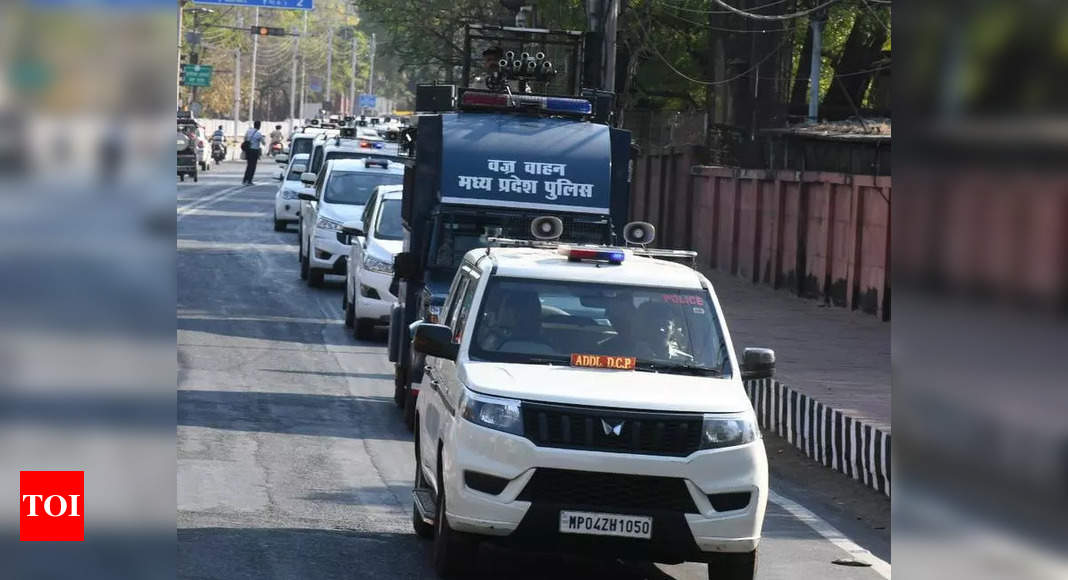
(303, 67)
(252, 85)
(329, 64)
(611, 18)
(237, 77)
(371, 72)
(816, 23)
(293, 86)
(352, 81)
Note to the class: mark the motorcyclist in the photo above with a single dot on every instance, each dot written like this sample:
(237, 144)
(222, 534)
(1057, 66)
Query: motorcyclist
(277, 137)
(218, 136)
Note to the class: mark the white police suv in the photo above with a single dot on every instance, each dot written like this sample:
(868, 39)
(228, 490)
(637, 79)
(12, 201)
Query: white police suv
(375, 240)
(286, 202)
(587, 399)
(341, 191)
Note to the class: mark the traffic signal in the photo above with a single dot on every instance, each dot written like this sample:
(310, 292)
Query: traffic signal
(267, 31)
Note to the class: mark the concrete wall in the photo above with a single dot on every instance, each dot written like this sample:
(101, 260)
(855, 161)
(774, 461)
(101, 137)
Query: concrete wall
(821, 235)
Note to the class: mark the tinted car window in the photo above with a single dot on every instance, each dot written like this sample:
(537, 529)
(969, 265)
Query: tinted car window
(302, 146)
(389, 225)
(355, 187)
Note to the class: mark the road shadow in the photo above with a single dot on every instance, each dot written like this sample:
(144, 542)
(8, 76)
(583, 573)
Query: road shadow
(255, 553)
(292, 413)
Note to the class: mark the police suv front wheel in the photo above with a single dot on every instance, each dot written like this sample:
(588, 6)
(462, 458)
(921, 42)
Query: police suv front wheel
(728, 566)
(454, 552)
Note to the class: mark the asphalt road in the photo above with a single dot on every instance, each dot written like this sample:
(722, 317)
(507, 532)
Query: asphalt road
(293, 461)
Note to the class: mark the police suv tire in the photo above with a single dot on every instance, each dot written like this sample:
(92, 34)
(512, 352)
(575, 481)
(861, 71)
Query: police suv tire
(364, 328)
(279, 226)
(350, 315)
(315, 277)
(409, 409)
(398, 395)
(303, 267)
(422, 529)
(454, 552)
(732, 566)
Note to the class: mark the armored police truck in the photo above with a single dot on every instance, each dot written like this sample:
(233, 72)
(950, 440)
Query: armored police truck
(522, 152)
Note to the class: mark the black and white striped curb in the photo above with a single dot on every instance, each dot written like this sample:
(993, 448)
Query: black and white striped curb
(827, 435)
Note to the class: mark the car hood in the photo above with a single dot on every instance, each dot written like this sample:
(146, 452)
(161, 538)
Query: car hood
(341, 213)
(606, 388)
(385, 250)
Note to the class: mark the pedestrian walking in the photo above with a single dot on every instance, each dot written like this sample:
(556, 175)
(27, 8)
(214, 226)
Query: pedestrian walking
(252, 146)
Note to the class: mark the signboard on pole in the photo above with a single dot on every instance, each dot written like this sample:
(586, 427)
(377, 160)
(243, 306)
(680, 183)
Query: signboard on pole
(282, 4)
(196, 75)
(367, 101)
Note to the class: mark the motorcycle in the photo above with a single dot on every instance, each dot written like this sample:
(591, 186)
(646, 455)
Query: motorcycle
(276, 148)
(218, 152)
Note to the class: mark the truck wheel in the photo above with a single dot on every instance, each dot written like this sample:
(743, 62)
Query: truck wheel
(365, 328)
(728, 566)
(454, 552)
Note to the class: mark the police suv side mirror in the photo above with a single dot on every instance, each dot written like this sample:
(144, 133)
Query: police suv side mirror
(307, 178)
(281, 159)
(305, 196)
(434, 340)
(349, 232)
(758, 363)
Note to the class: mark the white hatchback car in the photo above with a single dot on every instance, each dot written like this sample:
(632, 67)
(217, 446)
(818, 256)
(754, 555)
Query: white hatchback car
(286, 201)
(342, 189)
(587, 400)
(376, 239)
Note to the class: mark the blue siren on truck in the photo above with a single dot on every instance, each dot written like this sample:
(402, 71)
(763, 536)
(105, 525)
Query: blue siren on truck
(561, 105)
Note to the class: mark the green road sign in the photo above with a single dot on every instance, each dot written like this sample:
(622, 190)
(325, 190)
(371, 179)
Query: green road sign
(196, 75)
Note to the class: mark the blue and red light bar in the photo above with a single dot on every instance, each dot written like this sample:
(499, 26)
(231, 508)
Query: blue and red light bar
(610, 255)
(364, 144)
(560, 105)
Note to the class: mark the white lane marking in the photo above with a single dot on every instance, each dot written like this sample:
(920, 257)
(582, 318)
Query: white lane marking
(206, 201)
(291, 319)
(193, 245)
(225, 213)
(830, 533)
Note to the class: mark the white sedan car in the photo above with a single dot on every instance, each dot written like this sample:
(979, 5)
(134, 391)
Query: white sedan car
(286, 203)
(376, 239)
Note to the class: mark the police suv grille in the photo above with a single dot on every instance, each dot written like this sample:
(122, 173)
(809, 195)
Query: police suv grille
(573, 427)
(608, 490)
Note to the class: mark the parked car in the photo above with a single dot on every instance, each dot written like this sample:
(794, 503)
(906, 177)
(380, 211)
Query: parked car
(375, 240)
(341, 191)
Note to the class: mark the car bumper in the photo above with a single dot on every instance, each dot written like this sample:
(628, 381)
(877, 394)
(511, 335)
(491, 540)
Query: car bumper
(286, 209)
(677, 535)
(327, 253)
(373, 299)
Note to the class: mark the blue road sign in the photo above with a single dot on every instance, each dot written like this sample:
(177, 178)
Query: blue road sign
(283, 4)
(367, 101)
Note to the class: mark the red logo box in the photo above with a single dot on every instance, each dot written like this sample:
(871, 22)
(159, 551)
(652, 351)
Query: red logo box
(51, 506)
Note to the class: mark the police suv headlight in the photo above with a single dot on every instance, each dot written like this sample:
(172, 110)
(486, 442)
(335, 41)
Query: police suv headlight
(326, 224)
(728, 430)
(492, 412)
(372, 264)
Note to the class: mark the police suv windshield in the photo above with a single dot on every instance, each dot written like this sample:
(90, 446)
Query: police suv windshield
(299, 146)
(355, 187)
(389, 225)
(545, 322)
